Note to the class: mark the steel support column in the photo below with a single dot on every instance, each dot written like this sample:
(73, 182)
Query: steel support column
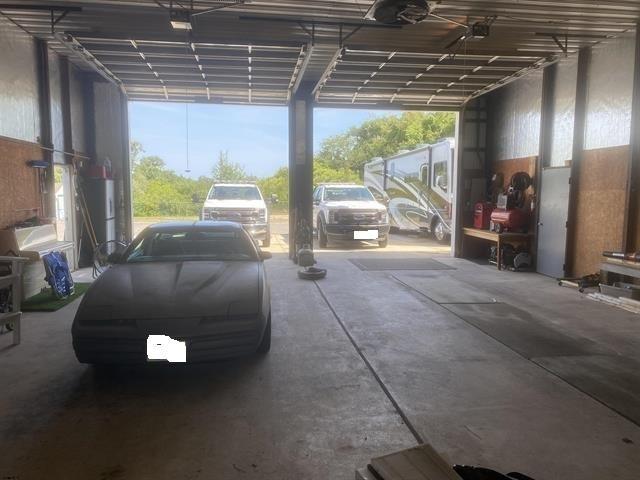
(46, 134)
(126, 169)
(300, 160)
(630, 236)
(584, 57)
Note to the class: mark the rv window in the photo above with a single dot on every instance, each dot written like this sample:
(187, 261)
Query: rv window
(440, 179)
(424, 174)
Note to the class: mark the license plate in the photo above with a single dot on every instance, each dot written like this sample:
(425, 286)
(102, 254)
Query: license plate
(365, 235)
(162, 347)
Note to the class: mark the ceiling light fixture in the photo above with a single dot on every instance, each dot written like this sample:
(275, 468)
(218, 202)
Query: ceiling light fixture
(180, 19)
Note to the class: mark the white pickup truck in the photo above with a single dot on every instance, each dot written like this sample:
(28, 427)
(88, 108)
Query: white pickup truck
(349, 212)
(242, 203)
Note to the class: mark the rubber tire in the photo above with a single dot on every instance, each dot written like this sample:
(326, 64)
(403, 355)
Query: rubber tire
(265, 344)
(383, 243)
(267, 239)
(444, 239)
(312, 274)
(322, 236)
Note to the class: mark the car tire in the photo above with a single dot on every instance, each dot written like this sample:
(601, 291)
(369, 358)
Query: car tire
(439, 232)
(383, 242)
(265, 344)
(322, 235)
(267, 239)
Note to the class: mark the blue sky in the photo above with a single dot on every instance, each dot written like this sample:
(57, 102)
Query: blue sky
(255, 137)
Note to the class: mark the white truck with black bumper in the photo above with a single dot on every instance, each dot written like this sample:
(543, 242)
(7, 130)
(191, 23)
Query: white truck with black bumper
(349, 212)
(242, 203)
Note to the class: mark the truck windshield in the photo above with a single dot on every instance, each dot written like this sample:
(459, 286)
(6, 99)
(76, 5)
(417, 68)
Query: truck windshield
(230, 192)
(337, 194)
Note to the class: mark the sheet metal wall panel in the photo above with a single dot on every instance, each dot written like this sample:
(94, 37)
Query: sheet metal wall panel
(609, 92)
(55, 93)
(108, 116)
(76, 99)
(564, 106)
(515, 111)
(19, 109)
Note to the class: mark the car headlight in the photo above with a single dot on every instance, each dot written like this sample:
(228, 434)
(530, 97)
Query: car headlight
(208, 213)
(262, 214)
(332, 217)
(383, 216)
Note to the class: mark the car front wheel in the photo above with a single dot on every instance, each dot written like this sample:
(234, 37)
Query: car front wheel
(322, 235)
(265, 344)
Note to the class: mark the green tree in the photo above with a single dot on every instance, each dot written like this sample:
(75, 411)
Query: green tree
(384, 136)
(227, 171)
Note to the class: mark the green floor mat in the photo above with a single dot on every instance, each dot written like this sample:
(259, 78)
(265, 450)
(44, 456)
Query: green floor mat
(46, 302)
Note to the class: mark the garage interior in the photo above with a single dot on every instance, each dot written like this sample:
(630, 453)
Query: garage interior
(501, 369)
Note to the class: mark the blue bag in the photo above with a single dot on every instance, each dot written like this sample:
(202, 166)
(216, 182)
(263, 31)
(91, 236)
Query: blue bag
(58, 274)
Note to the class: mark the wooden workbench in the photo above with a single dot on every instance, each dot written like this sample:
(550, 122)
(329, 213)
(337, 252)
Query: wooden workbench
(620, 267)
(498, 238)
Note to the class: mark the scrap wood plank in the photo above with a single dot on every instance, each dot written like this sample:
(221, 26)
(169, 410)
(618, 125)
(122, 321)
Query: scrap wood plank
(417, 463)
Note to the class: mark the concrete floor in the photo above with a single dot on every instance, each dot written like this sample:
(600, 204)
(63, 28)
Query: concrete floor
(505, 370)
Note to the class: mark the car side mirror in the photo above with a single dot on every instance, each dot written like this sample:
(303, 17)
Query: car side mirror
(316, 202)
(264, 255)
(273, 199)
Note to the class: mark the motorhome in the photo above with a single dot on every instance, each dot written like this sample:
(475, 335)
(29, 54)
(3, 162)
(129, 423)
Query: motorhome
(417, 187)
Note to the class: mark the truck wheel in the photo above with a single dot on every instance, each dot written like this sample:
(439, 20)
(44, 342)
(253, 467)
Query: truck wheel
(382, 243)
(322, 235)
(267, 238)
(440, 232)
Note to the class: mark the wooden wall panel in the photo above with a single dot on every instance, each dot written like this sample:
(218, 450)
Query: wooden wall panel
(19, 187)
(600, 206)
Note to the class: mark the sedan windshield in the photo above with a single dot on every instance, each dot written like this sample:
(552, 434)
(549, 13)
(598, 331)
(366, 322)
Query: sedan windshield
(170, 246)
(337, 194)
(230, 192)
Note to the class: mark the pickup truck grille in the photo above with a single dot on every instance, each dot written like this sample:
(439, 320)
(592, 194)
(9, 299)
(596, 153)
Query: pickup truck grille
(357, 217)
(240, 215)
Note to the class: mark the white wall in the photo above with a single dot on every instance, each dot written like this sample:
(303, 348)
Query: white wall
(19, 108)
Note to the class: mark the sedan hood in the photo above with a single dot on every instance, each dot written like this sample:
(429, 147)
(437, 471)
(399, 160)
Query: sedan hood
(174, 289)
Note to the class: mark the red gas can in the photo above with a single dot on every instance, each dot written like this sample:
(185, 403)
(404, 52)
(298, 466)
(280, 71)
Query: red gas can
(482, 215)
(512, 220)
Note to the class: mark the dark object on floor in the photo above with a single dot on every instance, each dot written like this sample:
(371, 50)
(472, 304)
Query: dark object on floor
(58, 275)
(414, 263)
(306, 260)
(580, 283)
(467, 472)
(46, 302)
(312, 273)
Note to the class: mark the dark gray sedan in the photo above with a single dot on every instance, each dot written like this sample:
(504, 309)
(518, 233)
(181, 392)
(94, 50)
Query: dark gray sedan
(200, 285)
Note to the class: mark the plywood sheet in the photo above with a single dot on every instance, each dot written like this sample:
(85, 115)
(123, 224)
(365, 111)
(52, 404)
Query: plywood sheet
(600, 206)
(417, 463)
(19, 188)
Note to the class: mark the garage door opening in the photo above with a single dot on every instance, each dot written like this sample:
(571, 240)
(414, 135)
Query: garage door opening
(405, 160)
(223, 162)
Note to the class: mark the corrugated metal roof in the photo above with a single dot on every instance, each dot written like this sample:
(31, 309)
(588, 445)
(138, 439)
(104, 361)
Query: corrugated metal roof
(257, 52)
